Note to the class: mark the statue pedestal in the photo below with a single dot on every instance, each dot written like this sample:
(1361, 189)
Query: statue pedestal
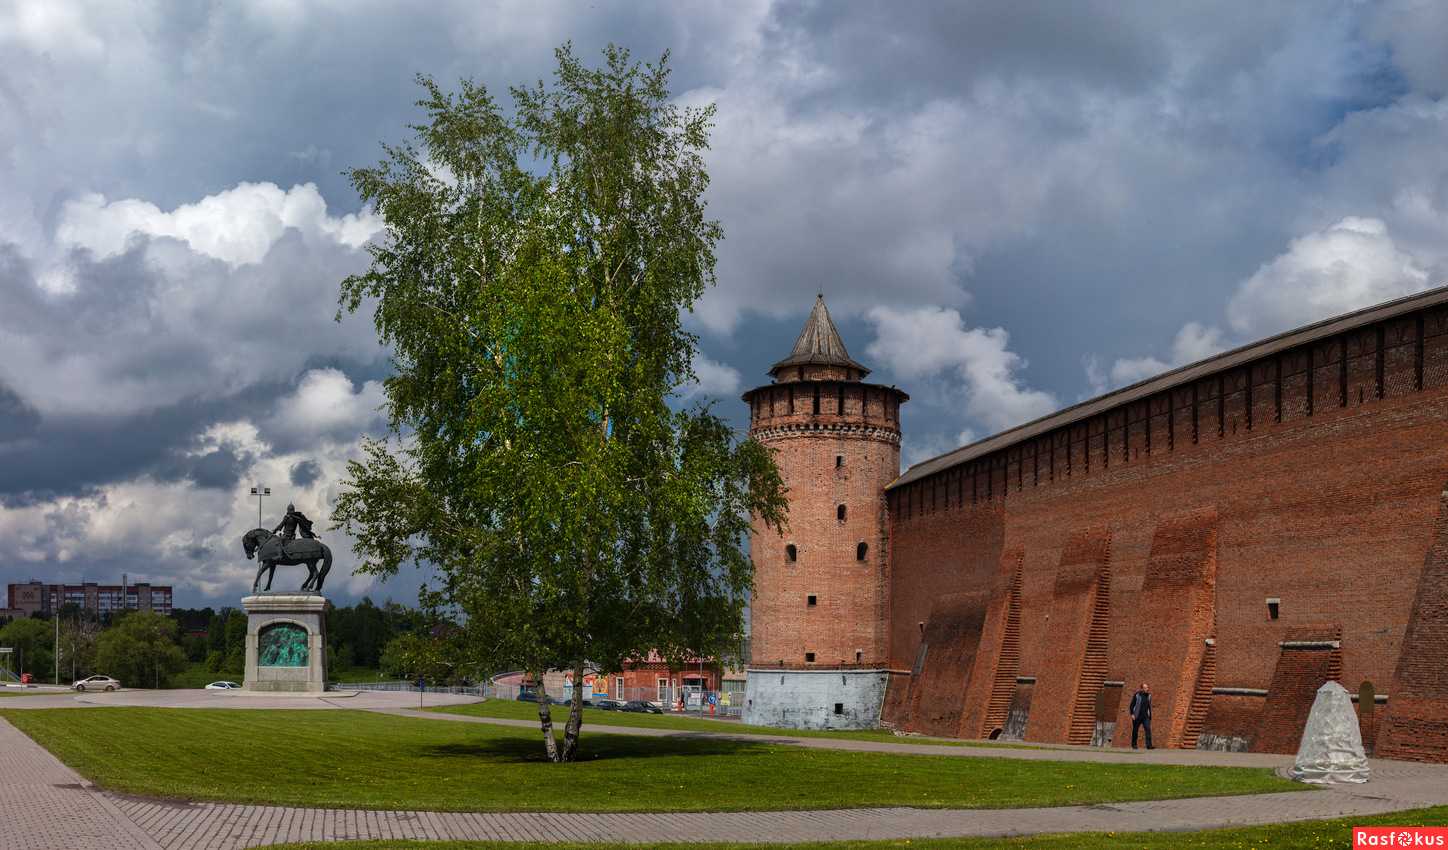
(286, 642)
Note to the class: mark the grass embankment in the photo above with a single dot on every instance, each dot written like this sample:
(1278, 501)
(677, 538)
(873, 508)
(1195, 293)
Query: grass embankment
(363, 760)
(1308, 835)
(514, 710)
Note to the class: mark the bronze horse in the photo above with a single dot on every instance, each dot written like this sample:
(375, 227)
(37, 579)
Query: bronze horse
(272, 551)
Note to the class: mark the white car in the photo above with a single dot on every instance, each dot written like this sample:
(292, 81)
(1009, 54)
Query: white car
(97, 683)
(223, 686)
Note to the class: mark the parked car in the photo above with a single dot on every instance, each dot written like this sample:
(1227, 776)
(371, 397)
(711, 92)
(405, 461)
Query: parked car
(604, 704)
(223, 686)
(527, 696)
(639, 706)
(97, 683)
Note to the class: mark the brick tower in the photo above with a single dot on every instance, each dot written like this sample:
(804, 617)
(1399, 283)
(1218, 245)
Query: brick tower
(819, 630)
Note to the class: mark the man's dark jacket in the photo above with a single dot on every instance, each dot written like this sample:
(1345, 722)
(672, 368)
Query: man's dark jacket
(1141, 707)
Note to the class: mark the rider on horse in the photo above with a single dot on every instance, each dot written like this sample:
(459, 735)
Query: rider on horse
(281, 547)
(292, 522)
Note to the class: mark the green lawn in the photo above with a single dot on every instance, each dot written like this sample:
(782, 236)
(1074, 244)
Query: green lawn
(368, 760)
(596, 717)
(12, 692)
(1309, 835)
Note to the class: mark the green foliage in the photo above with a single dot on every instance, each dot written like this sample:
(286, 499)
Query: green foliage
(34, 644)
(365, 628)
(531, 284)
(343, 759)
(140, 650)
(411, 655)
(78, 639)
(195, 675)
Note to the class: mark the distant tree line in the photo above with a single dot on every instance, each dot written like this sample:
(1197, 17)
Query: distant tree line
(144, 649)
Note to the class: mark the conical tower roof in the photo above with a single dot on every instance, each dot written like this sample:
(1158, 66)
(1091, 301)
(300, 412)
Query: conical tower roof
(819, 344)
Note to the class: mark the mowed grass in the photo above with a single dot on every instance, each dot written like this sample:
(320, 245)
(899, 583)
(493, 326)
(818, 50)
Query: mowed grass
(515, 710)
(13, 692)
(366, 760)
(1308, 835)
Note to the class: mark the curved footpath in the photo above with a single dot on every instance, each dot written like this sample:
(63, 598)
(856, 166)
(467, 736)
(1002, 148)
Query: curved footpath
(47, 805)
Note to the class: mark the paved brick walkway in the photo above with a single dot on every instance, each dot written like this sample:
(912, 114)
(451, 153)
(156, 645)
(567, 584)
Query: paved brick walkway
(46, 806)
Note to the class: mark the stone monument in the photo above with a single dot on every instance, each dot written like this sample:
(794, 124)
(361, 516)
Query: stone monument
(286, 633)
(286, 642)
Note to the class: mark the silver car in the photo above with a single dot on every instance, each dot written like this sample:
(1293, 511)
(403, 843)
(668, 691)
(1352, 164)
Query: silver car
(97, 683)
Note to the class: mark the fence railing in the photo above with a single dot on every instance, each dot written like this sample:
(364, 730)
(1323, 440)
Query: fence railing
(409, 687)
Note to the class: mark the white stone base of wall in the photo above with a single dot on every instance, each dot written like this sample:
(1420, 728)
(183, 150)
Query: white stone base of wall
(817, 698)
(308, 610)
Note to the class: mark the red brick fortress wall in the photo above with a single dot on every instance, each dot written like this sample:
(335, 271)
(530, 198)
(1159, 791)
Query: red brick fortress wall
(1417, 712)
(1074, 648)
(1178, 600)
(1309, 475)
(1308, 657)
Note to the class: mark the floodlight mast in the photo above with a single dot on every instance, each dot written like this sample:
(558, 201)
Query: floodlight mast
(260, 491)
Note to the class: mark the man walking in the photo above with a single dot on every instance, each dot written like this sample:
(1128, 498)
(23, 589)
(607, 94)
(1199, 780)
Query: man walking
(1140, 711)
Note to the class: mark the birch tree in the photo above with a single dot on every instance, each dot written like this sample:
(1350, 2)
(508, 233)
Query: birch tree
(531, 282)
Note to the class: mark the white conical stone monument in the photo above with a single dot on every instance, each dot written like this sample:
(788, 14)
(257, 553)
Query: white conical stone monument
(1332, 747)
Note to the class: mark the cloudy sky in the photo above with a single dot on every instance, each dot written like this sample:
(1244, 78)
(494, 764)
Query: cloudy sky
(1008, 206)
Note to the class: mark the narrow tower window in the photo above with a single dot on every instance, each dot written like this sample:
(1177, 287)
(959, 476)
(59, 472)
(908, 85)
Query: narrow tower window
(839, 461)
(859, 656)
(791, 554)
(839, 708)
(840, 513)
(810, 601)
(1273, 603)
(809, 658)
(861, 550)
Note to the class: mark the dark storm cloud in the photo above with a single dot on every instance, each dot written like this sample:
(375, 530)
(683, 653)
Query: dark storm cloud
(217, 468)
(18, 420)
(885, 52)
(305, 473)
(74, 456)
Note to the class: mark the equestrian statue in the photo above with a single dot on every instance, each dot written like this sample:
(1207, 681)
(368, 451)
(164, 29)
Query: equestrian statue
(280, 547)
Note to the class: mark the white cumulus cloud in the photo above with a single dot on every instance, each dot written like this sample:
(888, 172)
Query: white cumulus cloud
(933, 341)
(238, 225)
(1351, 264)
(714, 379)
(326, 402)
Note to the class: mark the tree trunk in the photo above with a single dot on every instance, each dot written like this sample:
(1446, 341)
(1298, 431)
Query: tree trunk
(575, 715)
(545, 720)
